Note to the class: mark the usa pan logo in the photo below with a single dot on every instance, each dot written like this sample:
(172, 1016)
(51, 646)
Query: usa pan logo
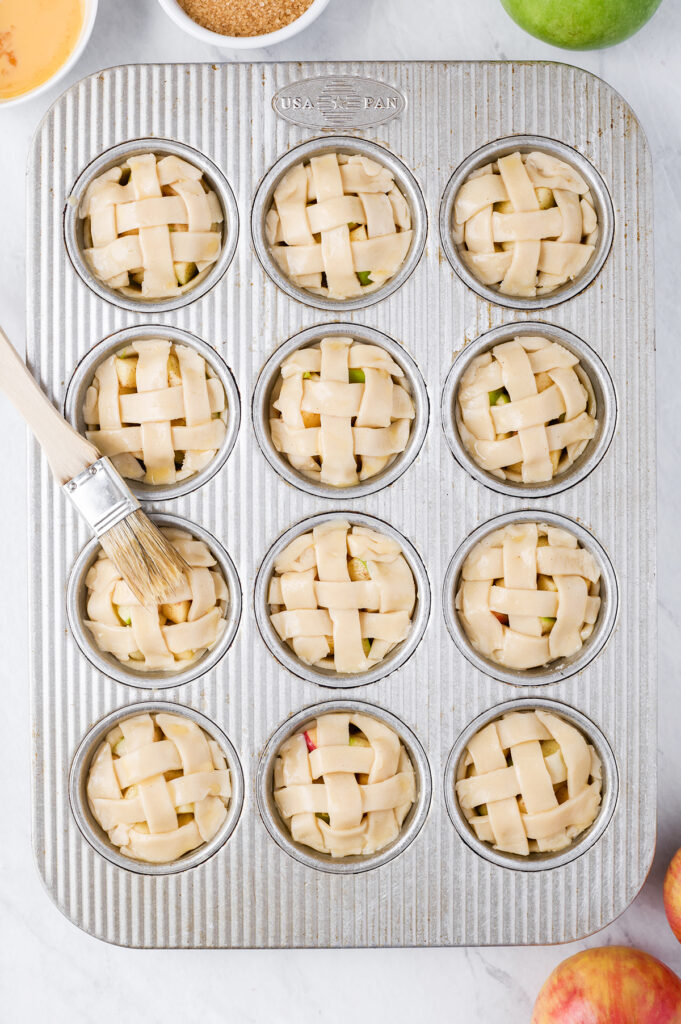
(341, 102)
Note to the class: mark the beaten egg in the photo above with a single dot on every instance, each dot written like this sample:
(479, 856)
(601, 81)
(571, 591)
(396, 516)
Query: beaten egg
(36, 38)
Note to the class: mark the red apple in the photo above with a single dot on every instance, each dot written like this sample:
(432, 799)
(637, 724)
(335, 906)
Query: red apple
(672, 894)
(610, 985)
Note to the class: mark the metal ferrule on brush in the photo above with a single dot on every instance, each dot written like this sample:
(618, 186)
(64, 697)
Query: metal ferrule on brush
(101, 496)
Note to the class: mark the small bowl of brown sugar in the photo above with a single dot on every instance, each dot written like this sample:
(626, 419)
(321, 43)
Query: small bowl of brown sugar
(243, 24)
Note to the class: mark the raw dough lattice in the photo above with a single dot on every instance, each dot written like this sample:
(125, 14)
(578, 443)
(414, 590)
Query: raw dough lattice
(340, 412)
(166, 638)
(339, 226)
(159, 786)
(526, 223)
(156, 409)
(152, 227)
(529, 782)
(523, 410)
(342, 596)
(344, 785)
(529, 594)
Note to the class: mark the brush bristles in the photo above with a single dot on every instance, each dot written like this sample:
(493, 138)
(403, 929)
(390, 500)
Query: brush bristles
(146, 560)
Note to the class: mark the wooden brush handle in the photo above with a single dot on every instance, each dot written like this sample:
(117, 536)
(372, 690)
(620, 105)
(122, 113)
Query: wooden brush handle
(66, 451)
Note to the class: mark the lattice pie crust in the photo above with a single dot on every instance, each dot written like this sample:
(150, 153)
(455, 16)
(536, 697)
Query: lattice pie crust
(342, 596)
(157, 410)
(340, 411)
(525, 223)
(529, 594)
(526, 410)
(344, 785)
(159, 786)
(152, 227)
(339, 225)
(171, 636)
(529, 782)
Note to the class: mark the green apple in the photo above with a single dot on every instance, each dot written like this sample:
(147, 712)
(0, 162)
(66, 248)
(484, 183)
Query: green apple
(581, 24)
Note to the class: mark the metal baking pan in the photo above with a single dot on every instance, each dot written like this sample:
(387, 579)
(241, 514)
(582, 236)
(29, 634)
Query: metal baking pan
(254, 889)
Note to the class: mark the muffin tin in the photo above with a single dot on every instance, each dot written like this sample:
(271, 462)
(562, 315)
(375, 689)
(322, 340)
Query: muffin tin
(253, 888)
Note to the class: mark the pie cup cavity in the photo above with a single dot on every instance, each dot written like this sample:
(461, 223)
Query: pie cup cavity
(561, 668)
(268, 381)
(309, 857)
(523, 144)
(114, 157)
(84, 373)
(534, 861)
(92, 830)
(341, 144)
(593, 375)
(76, 596)
(395, 658)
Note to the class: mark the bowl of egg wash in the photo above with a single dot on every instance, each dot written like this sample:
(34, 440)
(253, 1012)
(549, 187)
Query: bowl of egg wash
(40, 41)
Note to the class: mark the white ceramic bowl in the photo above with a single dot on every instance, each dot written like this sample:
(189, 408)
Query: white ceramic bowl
(83, 39)
(181, 18)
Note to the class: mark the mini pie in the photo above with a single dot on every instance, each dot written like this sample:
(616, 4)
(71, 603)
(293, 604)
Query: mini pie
(344, 785)
(525, 411)
(157, 410)
(152, 227)
(529, 594)
(342, 596)
(371, 411)
(526, 223)
(339, 226)
(529, 782)
(159, 786)
(167, 638)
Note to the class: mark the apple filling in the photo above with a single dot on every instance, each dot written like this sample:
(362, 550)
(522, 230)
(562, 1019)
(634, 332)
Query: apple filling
(344, 785)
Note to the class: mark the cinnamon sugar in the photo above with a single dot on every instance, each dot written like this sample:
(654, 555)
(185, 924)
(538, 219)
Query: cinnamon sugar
(244, 17)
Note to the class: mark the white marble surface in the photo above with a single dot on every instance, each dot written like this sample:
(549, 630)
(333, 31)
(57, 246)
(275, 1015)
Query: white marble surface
(50, 969)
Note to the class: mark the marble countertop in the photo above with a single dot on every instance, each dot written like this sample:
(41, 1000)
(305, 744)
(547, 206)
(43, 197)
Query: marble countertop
(50, 969)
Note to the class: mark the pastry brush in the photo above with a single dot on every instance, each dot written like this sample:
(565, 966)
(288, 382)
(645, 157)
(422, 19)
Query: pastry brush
(148, 563)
